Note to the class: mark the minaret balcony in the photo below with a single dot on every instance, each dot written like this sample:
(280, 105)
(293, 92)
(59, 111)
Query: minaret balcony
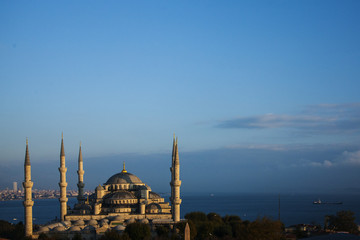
(62, 169)
(28, 184)
(63, 199)
(177, 183)
(28, 203)
(63, 184)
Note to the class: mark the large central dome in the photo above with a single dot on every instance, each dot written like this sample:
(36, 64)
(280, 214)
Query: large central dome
(123, 178)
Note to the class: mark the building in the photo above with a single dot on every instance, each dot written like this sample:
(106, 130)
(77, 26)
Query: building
(121, 200)
(15, 188)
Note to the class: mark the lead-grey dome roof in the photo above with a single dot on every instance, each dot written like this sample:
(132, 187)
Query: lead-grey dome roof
(119, 195)
(154, 195)
(123, 178)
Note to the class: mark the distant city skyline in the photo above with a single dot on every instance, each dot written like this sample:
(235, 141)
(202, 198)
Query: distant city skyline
(264, 95)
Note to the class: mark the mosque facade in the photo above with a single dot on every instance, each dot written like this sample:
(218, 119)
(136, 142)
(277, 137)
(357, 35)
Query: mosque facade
(121, 200)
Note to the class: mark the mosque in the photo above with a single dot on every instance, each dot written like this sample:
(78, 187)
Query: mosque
(122, 200)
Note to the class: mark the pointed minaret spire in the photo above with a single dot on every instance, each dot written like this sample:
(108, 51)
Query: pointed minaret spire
(27, 156)
(173, 151)
(28, 202)
(62, 184)
(80, 155)
(175, 183)
(80, 172)
(176, 152)
(62, 152)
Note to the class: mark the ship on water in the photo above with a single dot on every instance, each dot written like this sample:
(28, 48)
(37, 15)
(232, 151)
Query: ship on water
(322, 202)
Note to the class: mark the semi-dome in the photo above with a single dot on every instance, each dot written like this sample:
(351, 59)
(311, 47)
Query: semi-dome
(123, 178)
(120, 195)
(153, 208)
(154, 195)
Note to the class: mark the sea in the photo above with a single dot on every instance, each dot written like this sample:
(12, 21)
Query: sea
(291, 208)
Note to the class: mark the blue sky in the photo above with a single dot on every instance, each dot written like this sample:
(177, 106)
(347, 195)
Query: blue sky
(264, 89)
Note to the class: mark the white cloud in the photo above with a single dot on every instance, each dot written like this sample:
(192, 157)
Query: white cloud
(325, 163)
(323, 118)
(352, 158)
(273, 147)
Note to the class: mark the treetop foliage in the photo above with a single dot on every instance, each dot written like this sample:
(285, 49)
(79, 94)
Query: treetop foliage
(343, 221)
(213, 226)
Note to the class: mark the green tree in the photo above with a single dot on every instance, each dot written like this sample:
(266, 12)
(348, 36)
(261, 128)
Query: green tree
(265, 229)
(204, 230)
(77, 236)
(215, 218)
(125, 236)
(138, 231)
(43, 236)
(111, 235)
(231, 218)
(223, 231)
(6, 229)
(343, 221)
(162, 232)
(196, 217)
(12, 231)
(181, 228)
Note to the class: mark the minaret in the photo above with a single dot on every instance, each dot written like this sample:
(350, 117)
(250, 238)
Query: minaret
(172, 176)
(176, 183)
(28, 202)
(80, 173)
(62, 169)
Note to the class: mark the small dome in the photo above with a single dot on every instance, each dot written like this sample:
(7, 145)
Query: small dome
(123, 178)
(59, 229)
(92, 222)
(44, 229)
(66, 223)
(79, 223)
(131, 220)
(74, 229)
(119, 228)
(54, 225)
(89, 228)
(144, 220)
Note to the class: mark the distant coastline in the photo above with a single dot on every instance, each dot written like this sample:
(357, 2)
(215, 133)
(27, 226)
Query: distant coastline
(295, 208)
(10, 195)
